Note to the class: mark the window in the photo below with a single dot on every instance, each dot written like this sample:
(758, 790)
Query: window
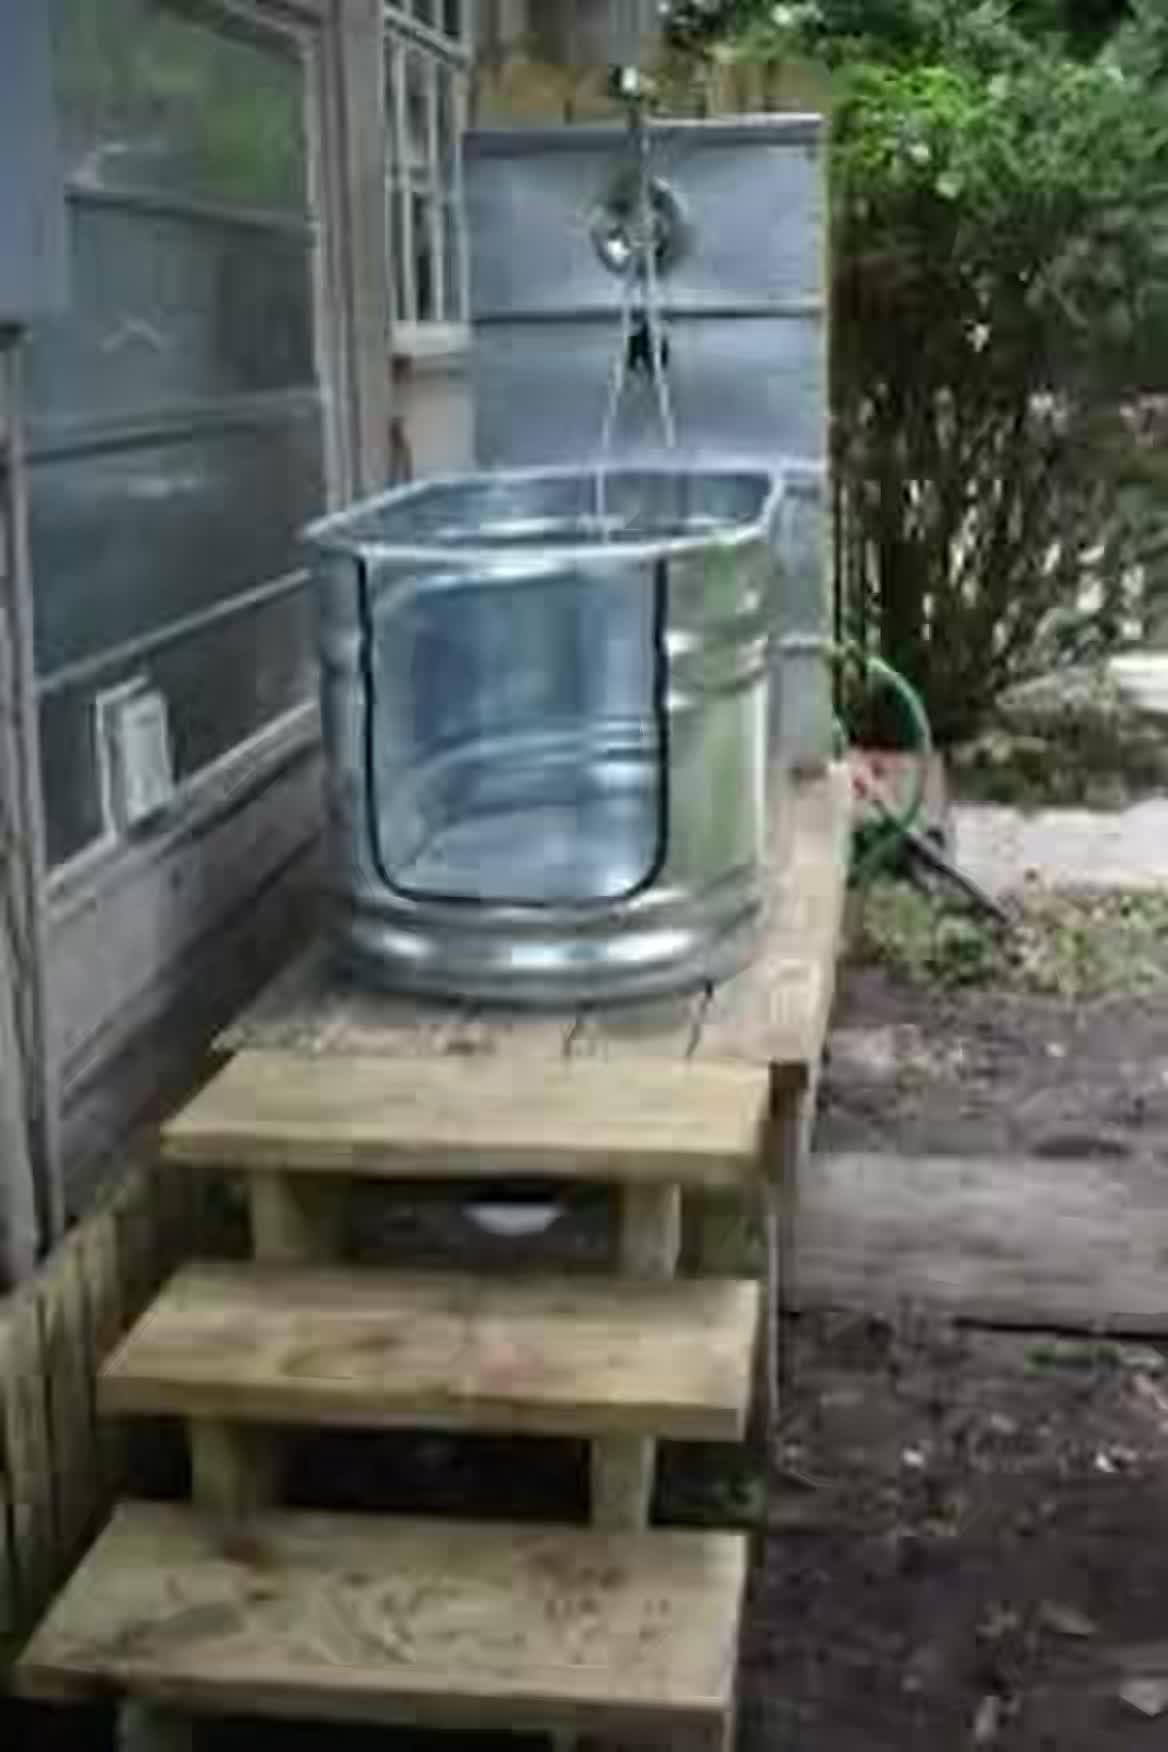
(176, 417)
(427, 71)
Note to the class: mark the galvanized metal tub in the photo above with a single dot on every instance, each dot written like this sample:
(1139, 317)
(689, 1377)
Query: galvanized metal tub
(546, 723)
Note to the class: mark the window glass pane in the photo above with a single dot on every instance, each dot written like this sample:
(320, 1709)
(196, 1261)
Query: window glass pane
(175, 413)
(455, 281)
(151, 99)
(447, 131)
(169, 311)
(417, 117)
(126, 539)
(424, 261)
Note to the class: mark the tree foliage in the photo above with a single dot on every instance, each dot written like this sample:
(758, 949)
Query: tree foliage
(1000, 296)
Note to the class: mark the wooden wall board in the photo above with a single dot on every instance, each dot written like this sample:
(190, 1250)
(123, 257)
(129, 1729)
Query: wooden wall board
(60, 1469)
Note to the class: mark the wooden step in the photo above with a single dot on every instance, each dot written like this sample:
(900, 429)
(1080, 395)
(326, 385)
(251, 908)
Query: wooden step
(566, 1355)
(660, 1123)
(428, 1623)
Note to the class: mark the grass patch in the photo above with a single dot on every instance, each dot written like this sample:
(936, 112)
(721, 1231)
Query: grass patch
(1070, 944)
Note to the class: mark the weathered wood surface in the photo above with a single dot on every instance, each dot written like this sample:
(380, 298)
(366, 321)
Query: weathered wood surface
(572, 1355)
(59, 1468)
(434, 1623)
(400, 1118)
(1012, 1241)
(775, 1013)
(295, 1220)
(623, 1467)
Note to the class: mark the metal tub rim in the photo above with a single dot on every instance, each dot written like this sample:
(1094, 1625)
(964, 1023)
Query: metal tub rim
(335, 533)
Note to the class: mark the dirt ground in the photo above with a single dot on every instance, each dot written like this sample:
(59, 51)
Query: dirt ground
(962, 1540)
(965, 1547)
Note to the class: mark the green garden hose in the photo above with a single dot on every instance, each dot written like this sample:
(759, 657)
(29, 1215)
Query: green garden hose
(895, 825)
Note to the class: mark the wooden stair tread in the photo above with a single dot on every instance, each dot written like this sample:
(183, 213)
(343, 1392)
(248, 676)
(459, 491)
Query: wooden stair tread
(433, 1623)
(681, 1124)
(569, 1355)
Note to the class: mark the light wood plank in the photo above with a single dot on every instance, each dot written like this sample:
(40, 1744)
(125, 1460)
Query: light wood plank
(572, 1355)
(776, 1012)
(1014, 1242)
(431, 1623)
(674, 1124)
(485, 1032)
(311, 1006)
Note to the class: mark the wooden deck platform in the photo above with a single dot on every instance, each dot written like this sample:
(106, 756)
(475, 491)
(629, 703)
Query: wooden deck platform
(774, 1014)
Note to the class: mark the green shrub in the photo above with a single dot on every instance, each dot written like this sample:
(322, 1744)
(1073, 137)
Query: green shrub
(999, 314)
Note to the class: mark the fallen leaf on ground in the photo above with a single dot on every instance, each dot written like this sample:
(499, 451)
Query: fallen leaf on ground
(1148, 1697)
(1153, 1396)
(1065, 1620)
(998, 1622)
(987, 1722)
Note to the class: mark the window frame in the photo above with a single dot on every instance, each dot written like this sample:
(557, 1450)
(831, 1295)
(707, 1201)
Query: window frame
(417, 184)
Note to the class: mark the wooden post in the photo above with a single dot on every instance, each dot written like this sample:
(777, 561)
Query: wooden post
(623, 1467)
(32, 1206)
(233, 1468)
(352, 110)
(294, 1220)
(150, 1727)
